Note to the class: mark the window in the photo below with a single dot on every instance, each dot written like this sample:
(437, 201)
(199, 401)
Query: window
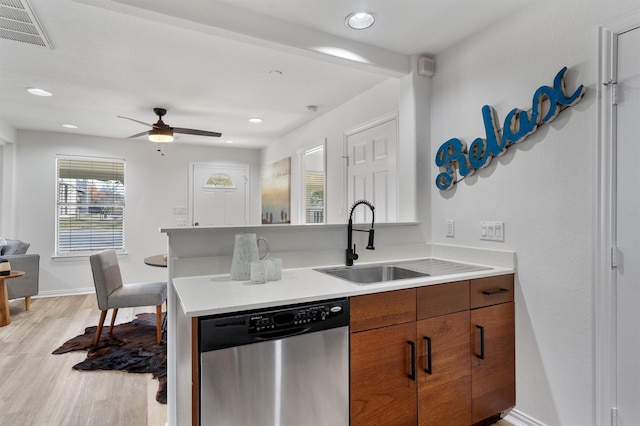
(89, 205)
(313, 185)
(219, 180)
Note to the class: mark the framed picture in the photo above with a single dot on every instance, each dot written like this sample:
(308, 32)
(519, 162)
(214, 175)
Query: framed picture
(276, 192)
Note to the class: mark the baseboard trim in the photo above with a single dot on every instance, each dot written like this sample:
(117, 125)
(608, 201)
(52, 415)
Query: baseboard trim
(518, 418)
(66, 292)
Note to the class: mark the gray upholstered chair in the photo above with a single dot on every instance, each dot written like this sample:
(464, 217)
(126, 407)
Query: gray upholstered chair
(112, 294)
(15, 251)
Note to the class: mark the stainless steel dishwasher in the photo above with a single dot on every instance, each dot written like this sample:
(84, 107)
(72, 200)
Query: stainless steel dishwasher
(279, 366)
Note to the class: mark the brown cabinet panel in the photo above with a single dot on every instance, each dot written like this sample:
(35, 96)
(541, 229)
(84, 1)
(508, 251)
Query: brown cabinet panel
(493, 377)
(491, 291)
(441, 299)
(460, 388)
(382, 309)
(444, 394)
(381, 391)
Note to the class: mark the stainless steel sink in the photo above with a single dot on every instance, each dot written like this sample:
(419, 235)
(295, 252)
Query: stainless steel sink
(372, 274)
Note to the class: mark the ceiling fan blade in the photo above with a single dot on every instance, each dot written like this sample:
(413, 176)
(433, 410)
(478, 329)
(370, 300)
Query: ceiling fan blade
(196, 132)
(138, 135)
(137, 121)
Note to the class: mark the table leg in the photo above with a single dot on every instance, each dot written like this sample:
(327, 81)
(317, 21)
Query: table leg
(5, 317)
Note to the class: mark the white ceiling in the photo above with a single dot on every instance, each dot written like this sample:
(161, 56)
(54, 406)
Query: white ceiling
(210, 62)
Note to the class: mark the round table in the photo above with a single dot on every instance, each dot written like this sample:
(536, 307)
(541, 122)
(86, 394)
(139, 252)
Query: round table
(159, 260)
(5, 316)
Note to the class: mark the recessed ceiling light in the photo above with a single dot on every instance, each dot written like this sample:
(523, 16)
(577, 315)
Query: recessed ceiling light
(255, 120)
(38, 92)
(229, 141)
(275, 73)
(70, 126)
(360, 20)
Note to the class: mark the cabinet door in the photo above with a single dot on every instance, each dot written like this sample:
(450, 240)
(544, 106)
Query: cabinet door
(381, 391)
(444, 389)
(493, 360)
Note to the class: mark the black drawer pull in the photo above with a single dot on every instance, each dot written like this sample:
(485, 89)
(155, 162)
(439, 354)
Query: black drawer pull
(481, 328)
(412, 375)
(495, 292)
(429, 369)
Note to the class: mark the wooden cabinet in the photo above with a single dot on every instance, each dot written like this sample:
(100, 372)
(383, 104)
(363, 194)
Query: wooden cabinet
(416, 354)
(493, 364)
(444, 376)
(382, 325)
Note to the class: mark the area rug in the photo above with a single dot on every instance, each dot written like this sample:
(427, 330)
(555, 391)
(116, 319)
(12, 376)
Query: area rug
(132, 347)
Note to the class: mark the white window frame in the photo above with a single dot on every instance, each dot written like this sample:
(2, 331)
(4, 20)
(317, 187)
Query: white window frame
(77, 207)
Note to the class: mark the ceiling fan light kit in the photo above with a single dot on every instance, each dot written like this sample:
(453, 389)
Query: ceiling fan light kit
(161, 135)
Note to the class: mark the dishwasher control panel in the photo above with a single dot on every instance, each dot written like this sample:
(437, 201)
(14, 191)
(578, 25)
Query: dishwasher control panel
(246, 327)
(295, 316)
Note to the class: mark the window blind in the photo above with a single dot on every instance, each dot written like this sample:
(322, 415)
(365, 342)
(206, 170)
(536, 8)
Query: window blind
(314, 197)
(90, 204)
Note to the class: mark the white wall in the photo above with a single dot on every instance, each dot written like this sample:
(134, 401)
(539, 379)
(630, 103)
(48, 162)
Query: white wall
(154, 185)
(544, 189)
(391, 96)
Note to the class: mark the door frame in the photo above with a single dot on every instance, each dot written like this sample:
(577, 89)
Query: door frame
(345, 155)
(222, 167)
(605, 295)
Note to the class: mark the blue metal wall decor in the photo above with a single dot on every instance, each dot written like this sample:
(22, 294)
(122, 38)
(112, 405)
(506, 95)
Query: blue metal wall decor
(547, 103)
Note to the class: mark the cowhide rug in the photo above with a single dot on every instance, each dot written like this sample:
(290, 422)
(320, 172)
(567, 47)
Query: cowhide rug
(132, 347)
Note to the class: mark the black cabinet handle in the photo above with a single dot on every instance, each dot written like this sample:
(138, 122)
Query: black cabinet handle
(412, 375)
(481, 328)
(494, 292)
(429, 369)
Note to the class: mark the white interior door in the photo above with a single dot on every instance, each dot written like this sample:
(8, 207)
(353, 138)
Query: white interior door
(627, 232)
(219, 195)
(371, 170)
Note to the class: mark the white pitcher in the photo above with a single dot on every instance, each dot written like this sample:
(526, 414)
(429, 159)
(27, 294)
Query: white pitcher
(246, 251)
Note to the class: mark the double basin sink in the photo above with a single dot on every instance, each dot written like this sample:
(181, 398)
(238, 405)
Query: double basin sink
(381, 272)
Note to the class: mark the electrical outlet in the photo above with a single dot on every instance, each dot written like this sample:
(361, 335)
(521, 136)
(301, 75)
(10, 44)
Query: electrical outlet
(451, 228)
(492, 231)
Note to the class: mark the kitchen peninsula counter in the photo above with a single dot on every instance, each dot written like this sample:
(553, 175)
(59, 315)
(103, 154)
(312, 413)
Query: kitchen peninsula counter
(218, 294)
(199, 261)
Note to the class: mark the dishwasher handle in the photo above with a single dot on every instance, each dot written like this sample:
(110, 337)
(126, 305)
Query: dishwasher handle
(279, 334)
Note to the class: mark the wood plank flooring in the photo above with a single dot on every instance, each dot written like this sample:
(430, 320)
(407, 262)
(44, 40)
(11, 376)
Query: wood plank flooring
(38, 388)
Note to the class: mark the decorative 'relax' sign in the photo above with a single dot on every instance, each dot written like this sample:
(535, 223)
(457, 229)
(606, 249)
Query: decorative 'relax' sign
(547, 103)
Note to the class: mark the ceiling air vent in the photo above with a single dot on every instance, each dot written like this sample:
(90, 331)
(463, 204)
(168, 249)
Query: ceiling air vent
(19, 23)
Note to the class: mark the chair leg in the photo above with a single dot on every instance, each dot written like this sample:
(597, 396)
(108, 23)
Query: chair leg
(113, 319)
(103, 315)
(27, 302)
(159, 323)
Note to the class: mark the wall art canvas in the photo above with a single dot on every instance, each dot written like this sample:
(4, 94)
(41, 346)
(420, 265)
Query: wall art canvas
(276, 192)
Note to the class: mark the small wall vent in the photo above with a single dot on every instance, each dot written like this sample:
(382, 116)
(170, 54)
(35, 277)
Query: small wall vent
(19, 23)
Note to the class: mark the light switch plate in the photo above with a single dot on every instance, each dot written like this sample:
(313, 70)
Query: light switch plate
(451, 228)
(492, 231)
(179, 210)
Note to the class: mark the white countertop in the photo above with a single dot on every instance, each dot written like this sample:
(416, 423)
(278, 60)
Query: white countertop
(218, 294)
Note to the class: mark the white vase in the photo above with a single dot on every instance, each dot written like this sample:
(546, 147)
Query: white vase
(245, 251)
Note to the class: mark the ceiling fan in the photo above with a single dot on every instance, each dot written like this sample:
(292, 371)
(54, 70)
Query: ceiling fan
(161, 132)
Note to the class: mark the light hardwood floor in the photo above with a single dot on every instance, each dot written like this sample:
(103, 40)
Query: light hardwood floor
(38, 388)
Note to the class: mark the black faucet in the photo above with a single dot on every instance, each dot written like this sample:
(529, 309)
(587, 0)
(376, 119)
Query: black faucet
(351, 248)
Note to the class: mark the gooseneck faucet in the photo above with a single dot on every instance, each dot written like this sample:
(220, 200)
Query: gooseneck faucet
(351, 248)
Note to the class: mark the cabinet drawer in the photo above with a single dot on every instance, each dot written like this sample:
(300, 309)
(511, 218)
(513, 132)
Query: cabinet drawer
(442, 299)
(491, 291)
(382, 309)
